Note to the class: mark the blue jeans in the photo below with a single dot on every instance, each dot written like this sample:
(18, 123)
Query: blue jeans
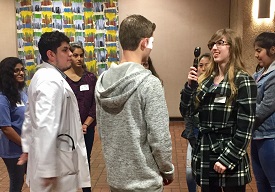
(89, 140)
(263, 163)
(16, 174)
(191, 182)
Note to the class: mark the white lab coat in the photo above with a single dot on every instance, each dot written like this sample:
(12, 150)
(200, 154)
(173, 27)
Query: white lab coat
(53, 110)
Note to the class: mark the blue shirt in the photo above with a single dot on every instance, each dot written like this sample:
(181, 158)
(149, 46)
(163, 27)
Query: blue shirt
(13, 117)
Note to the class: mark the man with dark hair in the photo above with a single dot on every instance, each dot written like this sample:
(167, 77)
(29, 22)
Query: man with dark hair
(132, 116)
(52, 138)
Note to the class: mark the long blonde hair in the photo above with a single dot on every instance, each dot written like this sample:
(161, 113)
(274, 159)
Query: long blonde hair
(235, 62)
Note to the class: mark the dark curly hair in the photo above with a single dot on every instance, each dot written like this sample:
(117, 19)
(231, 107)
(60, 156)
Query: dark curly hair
(8, 84)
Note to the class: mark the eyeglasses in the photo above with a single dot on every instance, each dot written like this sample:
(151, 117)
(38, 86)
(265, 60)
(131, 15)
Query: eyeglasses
(218, 43)
(17, 70)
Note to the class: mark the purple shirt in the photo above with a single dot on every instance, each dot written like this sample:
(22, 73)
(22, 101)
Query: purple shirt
(84, 92)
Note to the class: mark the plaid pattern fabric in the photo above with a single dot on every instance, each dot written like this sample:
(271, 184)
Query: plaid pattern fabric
(191, 121)
(225, 131)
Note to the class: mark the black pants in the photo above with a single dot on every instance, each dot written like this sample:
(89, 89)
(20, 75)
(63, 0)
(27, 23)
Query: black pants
(89, 140)
(224, 189)
(16, 173)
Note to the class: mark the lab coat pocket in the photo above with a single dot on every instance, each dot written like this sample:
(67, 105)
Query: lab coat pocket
(68, 160)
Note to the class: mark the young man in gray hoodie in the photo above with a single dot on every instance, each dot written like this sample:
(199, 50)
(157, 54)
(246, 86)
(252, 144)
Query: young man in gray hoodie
(132, 116)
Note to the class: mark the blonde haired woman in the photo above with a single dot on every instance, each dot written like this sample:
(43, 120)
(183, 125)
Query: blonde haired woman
(225, 100)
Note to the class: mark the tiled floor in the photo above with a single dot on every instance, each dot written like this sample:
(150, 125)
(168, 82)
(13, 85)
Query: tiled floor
(98, 172)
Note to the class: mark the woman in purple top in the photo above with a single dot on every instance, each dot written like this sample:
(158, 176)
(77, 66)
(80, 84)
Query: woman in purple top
(83, 83)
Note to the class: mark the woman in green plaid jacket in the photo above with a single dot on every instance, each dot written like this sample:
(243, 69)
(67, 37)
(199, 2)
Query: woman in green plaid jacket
(225, 100)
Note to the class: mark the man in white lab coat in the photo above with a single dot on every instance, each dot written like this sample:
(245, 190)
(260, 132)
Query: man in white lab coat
(52, 135)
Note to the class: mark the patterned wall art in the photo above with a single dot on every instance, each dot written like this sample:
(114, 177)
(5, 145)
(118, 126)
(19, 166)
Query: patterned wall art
(91, 23)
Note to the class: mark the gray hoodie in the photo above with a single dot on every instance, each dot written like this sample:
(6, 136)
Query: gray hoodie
(133, 124)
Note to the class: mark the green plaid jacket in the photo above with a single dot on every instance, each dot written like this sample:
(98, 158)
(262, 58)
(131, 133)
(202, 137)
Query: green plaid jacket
(225, 130)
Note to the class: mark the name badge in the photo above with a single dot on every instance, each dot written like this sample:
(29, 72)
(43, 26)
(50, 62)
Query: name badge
(84, 87)
(20, 104)
(220, 99)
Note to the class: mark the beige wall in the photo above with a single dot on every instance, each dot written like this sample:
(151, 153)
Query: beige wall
(181, 26)
(7, 29)
(251, 28)
(244, 20)
(236, 16)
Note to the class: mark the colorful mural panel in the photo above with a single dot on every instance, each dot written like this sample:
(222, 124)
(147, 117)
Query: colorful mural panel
(91, 23)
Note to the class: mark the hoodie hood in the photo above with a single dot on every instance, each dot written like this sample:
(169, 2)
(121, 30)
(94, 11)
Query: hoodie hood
(118, 83)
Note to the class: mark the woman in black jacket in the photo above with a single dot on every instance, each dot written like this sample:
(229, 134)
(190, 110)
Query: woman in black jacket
(225, 101)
